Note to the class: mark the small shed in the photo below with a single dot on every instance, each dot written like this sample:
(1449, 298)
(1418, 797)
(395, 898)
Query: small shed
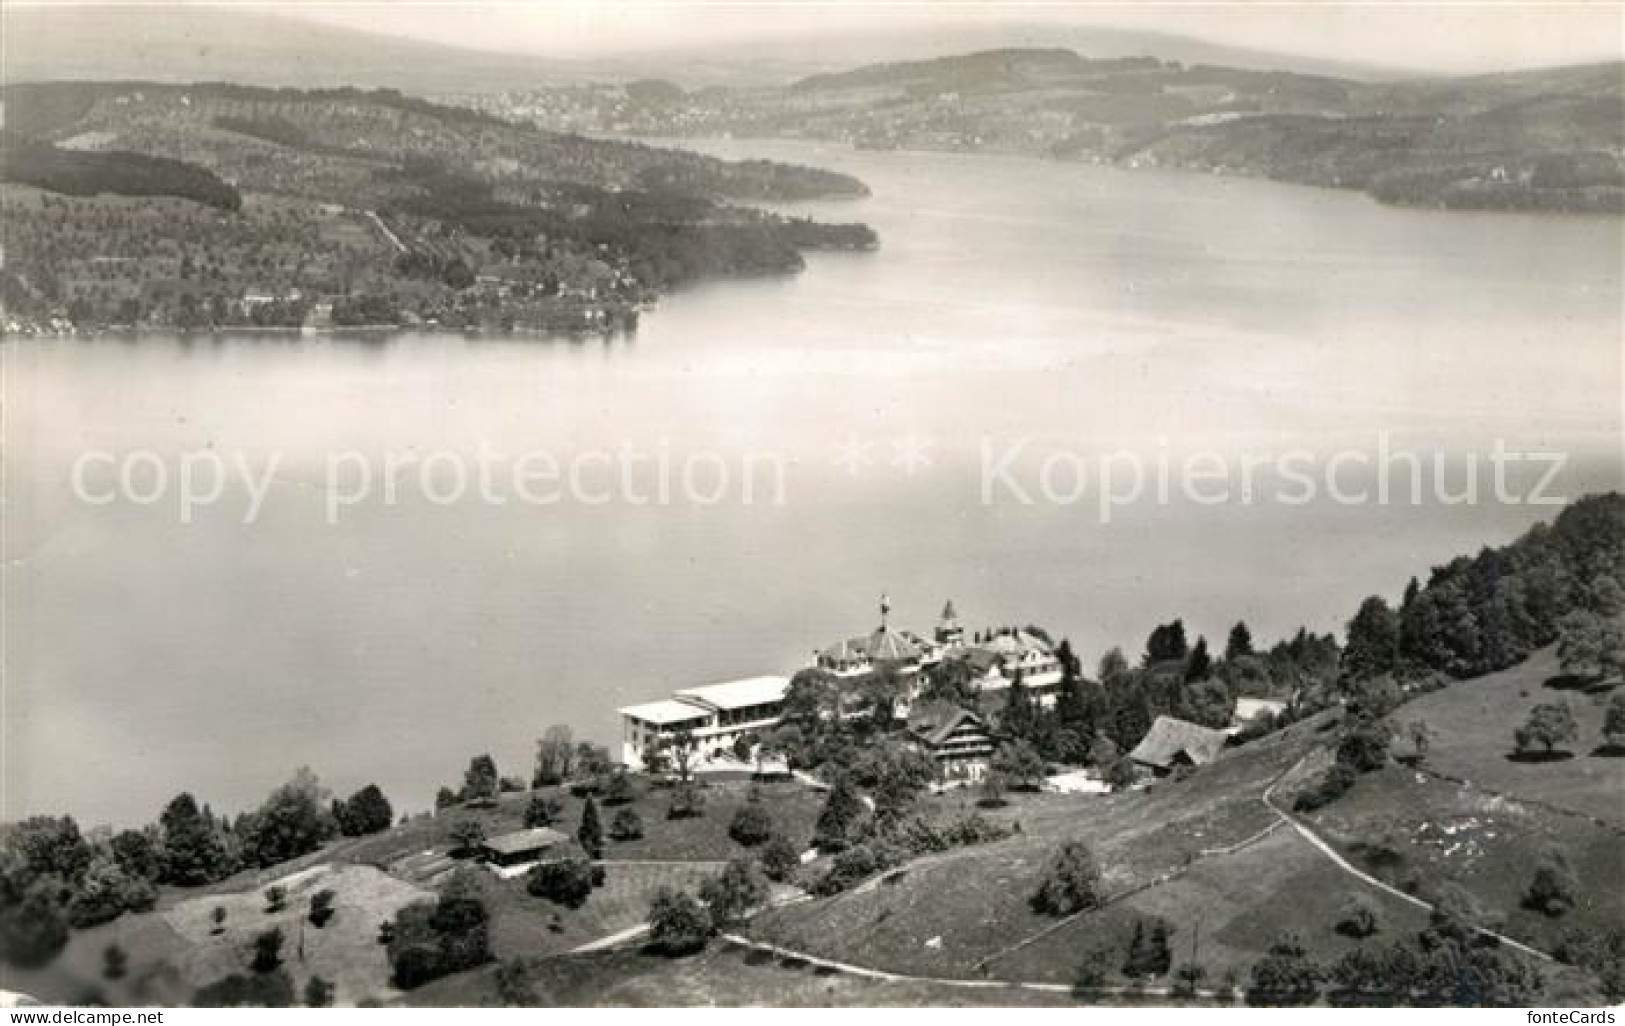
(521, 846)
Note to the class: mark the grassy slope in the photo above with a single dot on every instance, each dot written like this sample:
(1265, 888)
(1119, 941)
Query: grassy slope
(971, 903)
(1474, 721)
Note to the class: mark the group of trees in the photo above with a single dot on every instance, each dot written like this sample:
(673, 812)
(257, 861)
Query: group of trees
(53, 878)
(1482, 613)
(431, 939)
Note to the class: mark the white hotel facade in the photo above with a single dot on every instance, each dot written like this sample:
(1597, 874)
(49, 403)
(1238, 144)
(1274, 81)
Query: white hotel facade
(717, 715)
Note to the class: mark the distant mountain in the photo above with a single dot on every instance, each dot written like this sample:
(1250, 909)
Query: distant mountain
(1551, 139)
(255, 48)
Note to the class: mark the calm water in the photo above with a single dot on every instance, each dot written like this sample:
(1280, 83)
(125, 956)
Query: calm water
(1083, 309)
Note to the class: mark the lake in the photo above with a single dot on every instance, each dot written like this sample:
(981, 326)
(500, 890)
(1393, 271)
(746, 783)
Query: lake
(1034, 316)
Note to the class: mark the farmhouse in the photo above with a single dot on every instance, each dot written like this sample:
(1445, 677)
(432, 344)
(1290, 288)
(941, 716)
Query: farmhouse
(1174, 744)
(520, 847)
(956, 739)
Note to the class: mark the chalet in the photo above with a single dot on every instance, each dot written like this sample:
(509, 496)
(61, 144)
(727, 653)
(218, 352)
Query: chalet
(1012, 655)
(520, 847)
(956, 739)
(1176, 744)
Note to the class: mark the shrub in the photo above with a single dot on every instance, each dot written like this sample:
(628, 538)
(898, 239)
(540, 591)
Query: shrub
(619, 789)
(779, 858)
(267, 950)
(626, 826)
(1554, 889)
(686, 802)
(321, 907)
(115, 963)
(678, 923)
(1094, 969)
(740, 887)
(1333, 784)
(1149, 953)
(467, 836)
(752, 825)
(567, 882)
(276, 898)
(318, 993)
(1071, 881)
(1285, 975)
(542, 810)
(431, 939)
(838, 821)
(1358, 917)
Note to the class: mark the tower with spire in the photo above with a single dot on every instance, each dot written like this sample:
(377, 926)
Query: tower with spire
(949, 633)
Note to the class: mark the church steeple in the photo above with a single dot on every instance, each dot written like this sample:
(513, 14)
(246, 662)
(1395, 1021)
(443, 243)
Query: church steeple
(949, 632)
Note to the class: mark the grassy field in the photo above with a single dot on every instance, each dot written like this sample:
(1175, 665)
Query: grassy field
(943, 915)
(1226, 910)
(1474, 721)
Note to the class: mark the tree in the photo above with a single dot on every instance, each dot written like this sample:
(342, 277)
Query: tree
(1358, 917)
(467, 835)
(293, 821)
(51, 845)
(1113, 664)
(318, 993)
(137, 853)
(566, 882)
(1240, 643)
(1549, 725)
(1554, 888)
(365, 812)
(33, 928)
(619, 789)
(740, 887)
(542, 810)
(592, 762)
(686, 802)
(1149, 952)
(514, 987)
(115, 963)
(1200, 664)
(1373, 640)
(780, 858)
(626, 826)
(678, 923)
(555, 755)
(682, 750)
(481, 780)
(1285, 975)
(590, 834)
(1166, 644)
(1019, 764)
(276, 898)
(1071, 881)
(105, 891)
(1122, 773)
(445, 798)
(1094, 968)
(1613, 723)
(1364, 744)
(267, 950)
(321, 907)
(217, 917)
(752, 825)
(1591, 644)
(433, 938)
(1421, 736)
(838, 821)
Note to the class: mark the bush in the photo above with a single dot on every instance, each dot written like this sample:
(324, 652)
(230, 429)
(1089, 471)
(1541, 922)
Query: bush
(740, 887)
(752, 825)
(567, 882)
(626, 826)
(1358, 917)
(1071, 881)
(686, 802)
(1149, 953)
(267, 950)
(257, 990)
(779, 858)
(434, 939)
(321, 907)
(542, 810)
(276, 898)
(318, 993)
(1332, 785)
(1285, 975)
(115, 963)
(1554, 888)
(678, 923)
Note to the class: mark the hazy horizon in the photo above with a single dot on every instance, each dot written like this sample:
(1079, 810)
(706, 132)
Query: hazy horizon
(1408, 38)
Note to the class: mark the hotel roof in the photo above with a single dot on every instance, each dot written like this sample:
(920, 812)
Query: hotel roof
(739, 694)
(665, 711)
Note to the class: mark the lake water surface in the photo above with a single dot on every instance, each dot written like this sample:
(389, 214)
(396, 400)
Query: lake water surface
(1052, 308)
